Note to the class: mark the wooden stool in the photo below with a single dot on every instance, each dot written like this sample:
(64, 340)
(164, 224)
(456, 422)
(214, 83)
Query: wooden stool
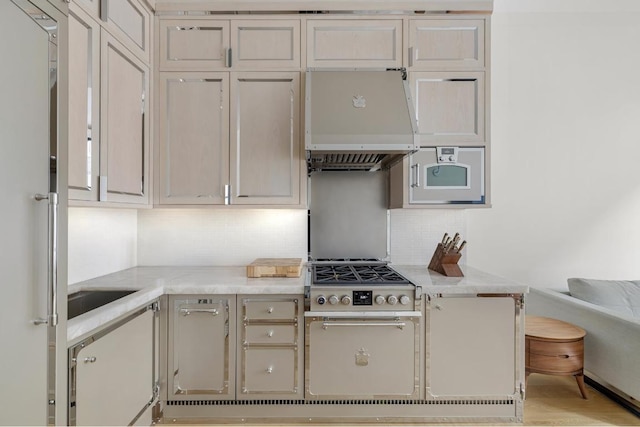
(554, 347)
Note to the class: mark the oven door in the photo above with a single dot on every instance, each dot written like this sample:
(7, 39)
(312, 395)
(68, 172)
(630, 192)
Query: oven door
(363, 355)
(447, 175)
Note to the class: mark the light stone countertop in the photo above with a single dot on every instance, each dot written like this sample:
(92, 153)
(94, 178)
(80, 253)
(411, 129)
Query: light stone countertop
(153, 282)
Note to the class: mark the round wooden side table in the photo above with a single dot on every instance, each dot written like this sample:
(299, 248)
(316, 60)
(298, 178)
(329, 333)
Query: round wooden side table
(554, 347)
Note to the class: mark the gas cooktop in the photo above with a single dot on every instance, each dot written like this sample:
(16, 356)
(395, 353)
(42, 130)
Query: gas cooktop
(357, 273)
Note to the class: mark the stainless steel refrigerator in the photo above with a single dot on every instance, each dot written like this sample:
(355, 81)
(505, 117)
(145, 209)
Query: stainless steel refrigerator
(33, 214)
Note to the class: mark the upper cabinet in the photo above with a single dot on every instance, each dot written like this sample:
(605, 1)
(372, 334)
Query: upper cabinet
(367, 43)
(109, 102)
(124, 163)
(204, 45)
(446, 44)
(229, 138)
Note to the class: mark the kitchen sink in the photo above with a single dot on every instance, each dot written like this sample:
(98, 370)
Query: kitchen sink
(81, 302)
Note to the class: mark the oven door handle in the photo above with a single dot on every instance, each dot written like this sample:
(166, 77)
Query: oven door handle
(397, 324)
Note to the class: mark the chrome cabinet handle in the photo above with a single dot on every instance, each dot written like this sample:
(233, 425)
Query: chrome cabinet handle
(91, 359)
(415, 175)
(399, 325)
(269, 369)
(270, 310)
(52, 256)
(270, 333)
(188, 311)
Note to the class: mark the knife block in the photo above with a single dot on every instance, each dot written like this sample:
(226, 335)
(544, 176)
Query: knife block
(445, 263)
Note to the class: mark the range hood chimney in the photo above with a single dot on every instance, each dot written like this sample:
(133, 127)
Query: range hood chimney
(358, 119)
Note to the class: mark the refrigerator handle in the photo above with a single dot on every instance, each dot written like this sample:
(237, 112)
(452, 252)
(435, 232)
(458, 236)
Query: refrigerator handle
(52, 269)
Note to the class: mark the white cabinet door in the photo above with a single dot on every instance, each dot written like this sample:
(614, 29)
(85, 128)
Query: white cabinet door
(265, 44)
(201, 354)
(130, 22)
(84, 105)
(450, 107)
(472, 346)
(114, 374)
(370, 43)
(124, 157)
(193, 44)
(194, 137)
(265, 157)
(446, 44)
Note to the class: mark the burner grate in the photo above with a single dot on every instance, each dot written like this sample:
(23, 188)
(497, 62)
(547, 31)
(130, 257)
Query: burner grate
(343, 274)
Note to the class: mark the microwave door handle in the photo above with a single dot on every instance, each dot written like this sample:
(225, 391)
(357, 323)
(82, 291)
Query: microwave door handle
(417, 174)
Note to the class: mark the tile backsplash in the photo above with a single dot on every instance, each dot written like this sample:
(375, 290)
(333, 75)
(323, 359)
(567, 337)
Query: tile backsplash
(415, 233)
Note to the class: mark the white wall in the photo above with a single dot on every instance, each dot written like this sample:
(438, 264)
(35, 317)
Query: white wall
(220, 237)
(101, 241)
(566, 143)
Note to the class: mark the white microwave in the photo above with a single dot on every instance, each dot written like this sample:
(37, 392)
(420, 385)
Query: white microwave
(447, 175)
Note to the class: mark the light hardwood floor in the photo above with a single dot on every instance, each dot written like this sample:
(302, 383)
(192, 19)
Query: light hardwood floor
(551, 401)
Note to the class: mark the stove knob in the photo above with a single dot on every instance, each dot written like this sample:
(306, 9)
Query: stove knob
(404, 300)
(321, 299)
(333, 299)
(380, 300)
(392, 299)
(345, 300)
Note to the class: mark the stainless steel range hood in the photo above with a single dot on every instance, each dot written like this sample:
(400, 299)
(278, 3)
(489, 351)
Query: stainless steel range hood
(358, 119)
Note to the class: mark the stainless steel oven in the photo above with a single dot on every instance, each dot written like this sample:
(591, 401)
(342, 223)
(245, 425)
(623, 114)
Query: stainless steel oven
(362, 333)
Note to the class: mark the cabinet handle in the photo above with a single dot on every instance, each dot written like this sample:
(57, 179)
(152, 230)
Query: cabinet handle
(104, 10)
(227, 57)
(415, 175)
(399, 325)
(188, 311)
(411, 56)
(52, 263)
(91, 359)
(227, 194)
(269, 369)
(270, 310)
(270, 333)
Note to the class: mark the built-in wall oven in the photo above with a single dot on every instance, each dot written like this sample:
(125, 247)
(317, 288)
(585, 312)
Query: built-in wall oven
(362, 318)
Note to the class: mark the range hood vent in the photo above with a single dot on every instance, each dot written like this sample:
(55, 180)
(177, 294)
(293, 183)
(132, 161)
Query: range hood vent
(358, 119)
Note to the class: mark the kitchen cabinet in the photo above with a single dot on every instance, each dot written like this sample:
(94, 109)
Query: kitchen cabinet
(472, 346)
(124, 127)
(206, 45)
(229, 138)
(448, 73)
(130, 23)
(84, 105)
(450, 107)
(352, 43)
(446, 44)
(109, 133)
(201, 354)
(112, 379)
(270, 362)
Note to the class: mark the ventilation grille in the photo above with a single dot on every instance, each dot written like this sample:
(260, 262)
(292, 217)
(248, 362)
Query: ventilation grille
(340, 402)
(345, 161)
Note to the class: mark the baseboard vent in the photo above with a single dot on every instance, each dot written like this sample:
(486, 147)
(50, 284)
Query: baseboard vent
(340, 402)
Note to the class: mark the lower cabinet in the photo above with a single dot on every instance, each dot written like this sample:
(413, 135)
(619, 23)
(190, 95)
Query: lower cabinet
(473, 346)
(111, 374)
(201, 356)
(270, 339)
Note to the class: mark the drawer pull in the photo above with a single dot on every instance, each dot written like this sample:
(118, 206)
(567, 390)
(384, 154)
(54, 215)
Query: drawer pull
(270, 310)
(91, 359)
(188, 311)
(564, 356)
(269, 369)
(270, 333)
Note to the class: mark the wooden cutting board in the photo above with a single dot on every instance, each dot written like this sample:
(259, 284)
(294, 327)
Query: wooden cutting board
(275, 267)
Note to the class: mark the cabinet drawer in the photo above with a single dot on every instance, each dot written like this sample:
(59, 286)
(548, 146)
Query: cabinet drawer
(270, 334)
(555, 364)
(354, 43)
(268, 310)
(547, 348)
(269, 371)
